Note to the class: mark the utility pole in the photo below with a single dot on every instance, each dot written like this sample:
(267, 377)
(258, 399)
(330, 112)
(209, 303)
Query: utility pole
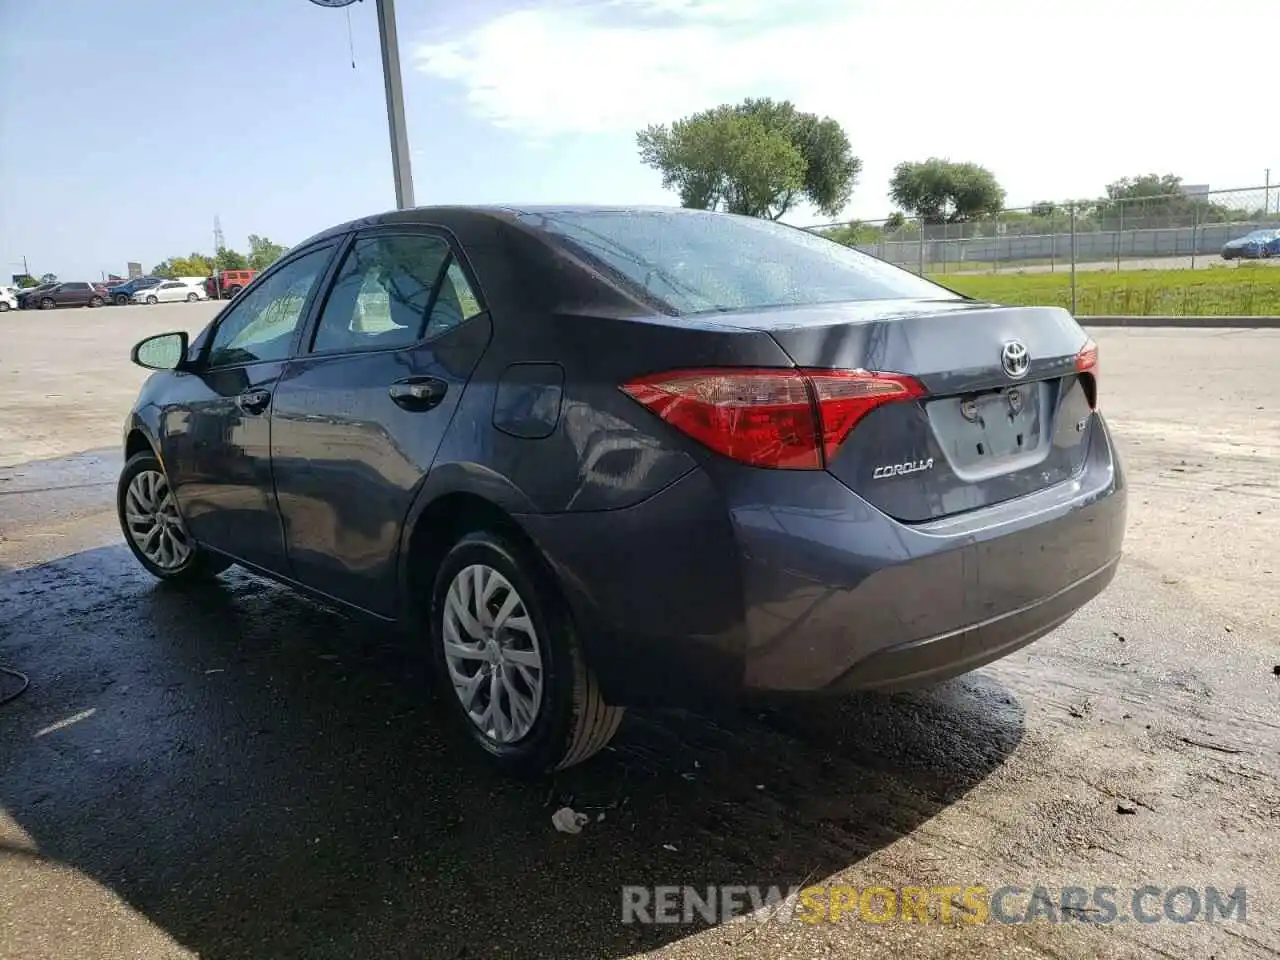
(1266, 202)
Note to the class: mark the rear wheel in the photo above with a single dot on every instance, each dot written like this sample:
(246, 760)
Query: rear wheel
(192, 297)
(233, 292)
(508, 661)
(153, 527)
(4, 306)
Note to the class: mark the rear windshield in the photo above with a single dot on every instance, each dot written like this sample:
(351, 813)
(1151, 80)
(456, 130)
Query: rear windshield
(698, 262)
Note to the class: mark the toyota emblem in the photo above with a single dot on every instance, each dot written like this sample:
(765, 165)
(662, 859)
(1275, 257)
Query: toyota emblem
(1015, 359)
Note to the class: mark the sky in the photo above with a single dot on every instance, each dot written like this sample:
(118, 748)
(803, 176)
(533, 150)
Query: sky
(125, 127)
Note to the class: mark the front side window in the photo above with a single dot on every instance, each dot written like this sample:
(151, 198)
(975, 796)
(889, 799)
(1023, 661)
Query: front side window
(699, 262)
(383, 293)
(262, 323)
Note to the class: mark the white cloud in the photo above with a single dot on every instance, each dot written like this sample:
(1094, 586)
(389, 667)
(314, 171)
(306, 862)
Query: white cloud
(1057, 97)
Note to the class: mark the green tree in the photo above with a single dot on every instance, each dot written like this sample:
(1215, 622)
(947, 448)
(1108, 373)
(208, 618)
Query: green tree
(228, 259)
(944, 191)
(1145, 187)
(896, 221)
(759, 158)
(263, 253)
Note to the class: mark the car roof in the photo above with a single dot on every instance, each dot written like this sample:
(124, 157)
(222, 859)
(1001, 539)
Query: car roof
(458, 217)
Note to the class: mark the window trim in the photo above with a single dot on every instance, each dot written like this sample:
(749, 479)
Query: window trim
(456, 255)
(308, 309)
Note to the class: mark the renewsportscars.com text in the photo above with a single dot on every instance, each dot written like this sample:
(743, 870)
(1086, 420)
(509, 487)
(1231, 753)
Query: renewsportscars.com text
(944, 904)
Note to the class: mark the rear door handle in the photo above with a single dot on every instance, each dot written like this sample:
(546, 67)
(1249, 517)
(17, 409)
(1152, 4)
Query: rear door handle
(253, 401)
(418, 393)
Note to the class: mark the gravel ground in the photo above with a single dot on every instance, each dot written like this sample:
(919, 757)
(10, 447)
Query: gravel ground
(237, 772)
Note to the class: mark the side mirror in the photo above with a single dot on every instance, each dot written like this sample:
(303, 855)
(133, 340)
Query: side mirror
(164, 351)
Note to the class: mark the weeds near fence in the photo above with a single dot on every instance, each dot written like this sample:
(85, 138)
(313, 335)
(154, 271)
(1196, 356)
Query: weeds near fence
(1220, 291)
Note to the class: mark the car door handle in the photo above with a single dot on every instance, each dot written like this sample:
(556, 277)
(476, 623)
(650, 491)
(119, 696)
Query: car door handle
(253, 401)
(418, 393)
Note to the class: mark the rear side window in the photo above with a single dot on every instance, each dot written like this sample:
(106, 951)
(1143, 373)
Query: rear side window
(383, 295)
(699, 262)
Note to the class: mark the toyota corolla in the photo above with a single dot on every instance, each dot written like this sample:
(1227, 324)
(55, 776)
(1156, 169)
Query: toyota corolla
(602, 457)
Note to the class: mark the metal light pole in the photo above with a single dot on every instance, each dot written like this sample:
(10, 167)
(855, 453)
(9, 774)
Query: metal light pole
(400, 166)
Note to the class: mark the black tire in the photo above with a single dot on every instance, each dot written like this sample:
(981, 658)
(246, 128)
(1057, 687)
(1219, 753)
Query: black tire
(200, 565)
(1265, 253)
(47, 303)
(95, 302)
(192, 297)
(121, 299)
(573, 721)
(152, 301)
(4, 306)
(234, 292)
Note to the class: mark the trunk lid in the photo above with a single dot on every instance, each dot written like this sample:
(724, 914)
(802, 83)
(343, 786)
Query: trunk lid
(981, 434)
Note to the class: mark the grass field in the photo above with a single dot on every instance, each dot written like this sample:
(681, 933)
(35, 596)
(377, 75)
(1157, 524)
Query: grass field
(1141, 293)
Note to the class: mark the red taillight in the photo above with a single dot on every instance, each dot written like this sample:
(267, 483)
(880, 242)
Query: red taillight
(1087, 364)
(846, 396)
(785, 419)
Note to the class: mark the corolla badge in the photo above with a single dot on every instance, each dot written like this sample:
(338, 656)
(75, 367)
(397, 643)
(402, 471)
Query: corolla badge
(1015, 359)
(901, 469)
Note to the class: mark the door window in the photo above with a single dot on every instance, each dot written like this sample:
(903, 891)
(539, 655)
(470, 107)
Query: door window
(262, 323)
(383, 296)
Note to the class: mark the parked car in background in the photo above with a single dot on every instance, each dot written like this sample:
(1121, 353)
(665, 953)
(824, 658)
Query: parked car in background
(1258, 244)
(122, 293)
(8, 299)
(73, 293)
(595, 458)
(228, 283)
(29, 299)
(169, 291)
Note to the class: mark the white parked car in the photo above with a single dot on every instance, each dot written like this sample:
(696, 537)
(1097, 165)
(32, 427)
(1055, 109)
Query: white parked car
(8, 299)
(170, 291)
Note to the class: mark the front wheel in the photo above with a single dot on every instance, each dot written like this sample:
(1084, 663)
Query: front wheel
(46, 304)
(95, 302)
(508, 661)
(121, 299)
(152, 301)
(153, 527)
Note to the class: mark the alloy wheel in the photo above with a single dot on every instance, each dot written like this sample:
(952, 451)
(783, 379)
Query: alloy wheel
(492, 653)
(151, 517)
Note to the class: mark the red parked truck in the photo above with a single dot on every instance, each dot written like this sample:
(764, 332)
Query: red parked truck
(228, 283)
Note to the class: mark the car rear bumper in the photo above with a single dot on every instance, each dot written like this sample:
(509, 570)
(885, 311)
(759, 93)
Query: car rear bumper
(732, 581)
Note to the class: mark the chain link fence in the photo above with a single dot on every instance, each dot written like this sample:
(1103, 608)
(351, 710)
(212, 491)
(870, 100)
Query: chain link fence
(1178, 231)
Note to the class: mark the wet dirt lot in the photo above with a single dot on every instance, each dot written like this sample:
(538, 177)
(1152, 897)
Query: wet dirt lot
(237, 772)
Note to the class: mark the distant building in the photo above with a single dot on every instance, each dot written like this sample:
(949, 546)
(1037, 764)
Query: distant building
(134, 269)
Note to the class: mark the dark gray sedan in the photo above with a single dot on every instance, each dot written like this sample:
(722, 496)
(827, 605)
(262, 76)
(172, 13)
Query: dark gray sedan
(600, 457)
